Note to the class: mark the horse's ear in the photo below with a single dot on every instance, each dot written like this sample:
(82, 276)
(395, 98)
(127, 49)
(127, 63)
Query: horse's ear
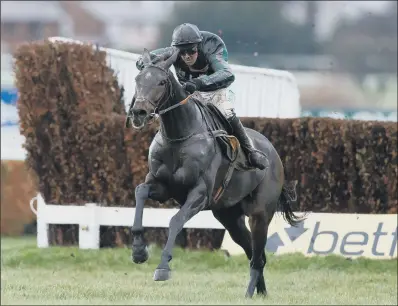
(171, 60)
(146, 57)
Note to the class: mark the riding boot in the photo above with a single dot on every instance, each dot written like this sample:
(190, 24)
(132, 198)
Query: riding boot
(256, 158)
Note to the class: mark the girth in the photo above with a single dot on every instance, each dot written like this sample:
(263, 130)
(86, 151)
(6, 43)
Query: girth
(235, 150)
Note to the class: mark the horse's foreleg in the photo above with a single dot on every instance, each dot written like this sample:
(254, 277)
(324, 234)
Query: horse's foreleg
(196, 201)
(143, 192)
(139, 248)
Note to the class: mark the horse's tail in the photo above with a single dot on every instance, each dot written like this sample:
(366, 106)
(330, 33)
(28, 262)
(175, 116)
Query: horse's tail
(289, 195)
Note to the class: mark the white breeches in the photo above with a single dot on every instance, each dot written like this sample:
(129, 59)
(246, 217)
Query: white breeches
(221, 98)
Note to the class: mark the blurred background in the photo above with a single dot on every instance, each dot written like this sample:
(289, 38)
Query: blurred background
(342, 53)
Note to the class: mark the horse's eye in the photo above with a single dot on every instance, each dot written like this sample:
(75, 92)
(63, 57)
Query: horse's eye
(162, 83)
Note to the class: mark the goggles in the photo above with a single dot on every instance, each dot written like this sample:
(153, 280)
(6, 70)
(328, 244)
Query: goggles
(190, 51)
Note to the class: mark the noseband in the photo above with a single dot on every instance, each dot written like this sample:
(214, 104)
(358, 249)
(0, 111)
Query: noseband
(168, 93)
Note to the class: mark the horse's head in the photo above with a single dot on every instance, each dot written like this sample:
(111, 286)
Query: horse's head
(153, 88)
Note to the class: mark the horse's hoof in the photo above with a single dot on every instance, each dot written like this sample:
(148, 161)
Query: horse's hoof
(250, 290)
(262, 292)
(140, 255)
(249, 294)
(254, 276)
(162, 275)
(261, 288)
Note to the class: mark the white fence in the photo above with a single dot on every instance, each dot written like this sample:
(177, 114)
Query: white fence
(91, 216)
(356, 234)
(259, 92)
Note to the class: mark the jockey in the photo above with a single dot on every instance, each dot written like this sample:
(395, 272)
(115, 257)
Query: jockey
(202, 67)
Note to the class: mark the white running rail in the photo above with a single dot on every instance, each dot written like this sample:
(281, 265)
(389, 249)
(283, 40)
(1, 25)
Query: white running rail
(91, 216)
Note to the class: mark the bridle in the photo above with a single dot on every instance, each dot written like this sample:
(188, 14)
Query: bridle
(167, 94)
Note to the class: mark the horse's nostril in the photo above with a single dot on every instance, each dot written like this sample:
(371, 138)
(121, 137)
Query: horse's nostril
(142, 113)
(139, 112)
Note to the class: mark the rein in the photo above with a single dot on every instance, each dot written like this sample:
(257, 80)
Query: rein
(174, 106)
(165, 97)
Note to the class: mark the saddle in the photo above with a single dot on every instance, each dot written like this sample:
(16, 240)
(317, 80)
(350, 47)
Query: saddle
(229, 144)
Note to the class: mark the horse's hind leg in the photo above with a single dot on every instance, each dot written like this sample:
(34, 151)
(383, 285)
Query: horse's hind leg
(258, 228)
(233, 220)
(263, 209)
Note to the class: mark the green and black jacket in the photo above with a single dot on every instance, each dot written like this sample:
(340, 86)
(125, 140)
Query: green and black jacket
(211, 67)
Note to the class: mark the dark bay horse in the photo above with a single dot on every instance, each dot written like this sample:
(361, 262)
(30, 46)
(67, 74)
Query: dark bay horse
(189, 161)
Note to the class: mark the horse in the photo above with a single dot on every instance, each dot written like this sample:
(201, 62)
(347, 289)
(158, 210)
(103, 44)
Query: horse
(194, 160)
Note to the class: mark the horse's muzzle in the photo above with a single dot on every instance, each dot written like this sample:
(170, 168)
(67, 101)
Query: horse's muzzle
(139, 118)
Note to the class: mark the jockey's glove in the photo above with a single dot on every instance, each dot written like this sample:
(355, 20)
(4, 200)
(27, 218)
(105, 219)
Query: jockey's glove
(192, 85)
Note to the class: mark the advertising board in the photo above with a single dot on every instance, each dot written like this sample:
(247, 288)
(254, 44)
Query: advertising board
(348, 235)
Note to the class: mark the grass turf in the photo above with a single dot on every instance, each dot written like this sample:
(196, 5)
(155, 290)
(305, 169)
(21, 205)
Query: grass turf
(67, 275)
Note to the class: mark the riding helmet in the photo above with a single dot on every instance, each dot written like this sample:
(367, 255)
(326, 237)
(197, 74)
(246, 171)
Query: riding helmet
(186, 34)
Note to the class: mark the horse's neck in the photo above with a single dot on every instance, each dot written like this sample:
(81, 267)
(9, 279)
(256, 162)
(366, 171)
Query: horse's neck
(182, 121)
